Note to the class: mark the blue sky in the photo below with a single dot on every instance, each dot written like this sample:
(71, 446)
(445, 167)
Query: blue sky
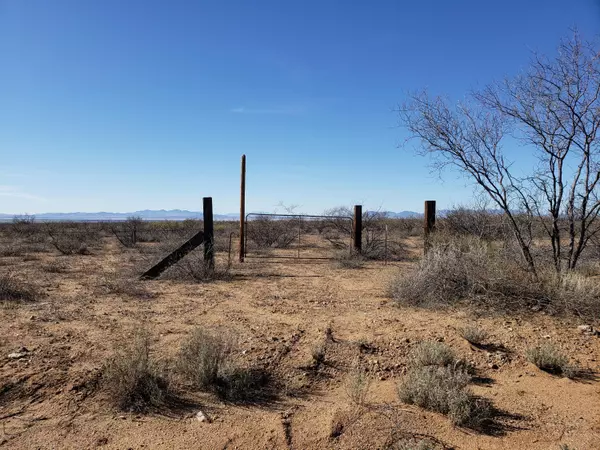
(122, 105)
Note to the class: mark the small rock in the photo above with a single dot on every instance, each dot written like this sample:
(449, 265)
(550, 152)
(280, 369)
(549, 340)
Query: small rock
(547, 336)
(201, 417)
(585, 329)
(21, 353)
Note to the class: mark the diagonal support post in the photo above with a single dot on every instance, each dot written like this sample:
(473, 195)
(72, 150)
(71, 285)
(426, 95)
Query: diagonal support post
(205, 237)
(174, 257)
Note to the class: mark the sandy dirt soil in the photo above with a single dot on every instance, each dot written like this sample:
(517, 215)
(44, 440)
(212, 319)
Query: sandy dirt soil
(278, 312)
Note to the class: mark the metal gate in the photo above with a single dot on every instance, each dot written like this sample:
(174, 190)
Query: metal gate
(296, 236)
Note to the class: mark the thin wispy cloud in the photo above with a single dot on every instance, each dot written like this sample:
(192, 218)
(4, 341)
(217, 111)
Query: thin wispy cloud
(15, 192)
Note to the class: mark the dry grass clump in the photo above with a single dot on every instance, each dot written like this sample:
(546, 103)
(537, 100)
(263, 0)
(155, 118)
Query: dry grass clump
(130, 287)
(55, 267)
(134, 380)
(349, 260)
(474, 334)
(468, 270)
(318, 353)
(550, 359)
(202, 357)
(71, 246)
(205, 361)
(245, 385)
(73, 238)
(358, 383)
(478, 221)
(430, 353)
(438, 381)
(447, 274)
(444, 390)
(12, 250)
(15, 291)
(194, 268)
(575, 294)
(266, 232)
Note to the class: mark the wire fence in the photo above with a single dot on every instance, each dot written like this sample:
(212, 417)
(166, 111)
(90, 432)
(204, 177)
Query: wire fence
(296, 236)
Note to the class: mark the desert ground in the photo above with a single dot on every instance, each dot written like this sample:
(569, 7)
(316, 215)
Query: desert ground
(309, 325)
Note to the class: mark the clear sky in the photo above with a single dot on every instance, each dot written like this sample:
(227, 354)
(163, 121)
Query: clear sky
(122, 105)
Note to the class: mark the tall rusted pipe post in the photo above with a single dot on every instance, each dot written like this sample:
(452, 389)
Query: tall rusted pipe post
(243, 210)
(428, 224)
(209, 234)
(357, 229)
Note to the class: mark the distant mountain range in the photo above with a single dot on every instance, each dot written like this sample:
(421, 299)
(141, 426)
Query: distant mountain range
(148, 214)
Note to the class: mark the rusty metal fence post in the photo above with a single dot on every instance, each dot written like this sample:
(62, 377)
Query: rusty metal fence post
(209, 234)
(242, 245)
(357, 229)
(428, 224)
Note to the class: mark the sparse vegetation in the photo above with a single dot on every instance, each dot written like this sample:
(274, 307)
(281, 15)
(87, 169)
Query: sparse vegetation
(130, 287)
(413, 444)
(245, 385)
(318, 353)
(474, 335)
(14, 249)
(444, 390)
(134, 380)
(205, 361)
(430, 353)
(469, 271)
(476, 222)
(71, 239)
(539, 106)
(374, 247)
(56, 267)
(266, 232)
(357, 385)
(202, 358)
(549, 358)
(349, 260)
(195, 269)
(438, 381)
(14, 291)
(128, 232)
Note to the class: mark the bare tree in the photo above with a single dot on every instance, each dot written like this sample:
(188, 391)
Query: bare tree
(554, 110)
(127, 233)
